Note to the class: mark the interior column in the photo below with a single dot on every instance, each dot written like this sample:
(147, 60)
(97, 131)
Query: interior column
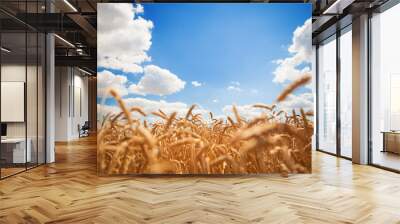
(50, 92)
(360, 90)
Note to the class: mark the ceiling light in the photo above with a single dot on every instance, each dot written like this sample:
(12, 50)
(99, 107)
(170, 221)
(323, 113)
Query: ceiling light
(79, 51)
(65, 41)
(5, 50)
(337, 7)
(70, 5)
(84, 71)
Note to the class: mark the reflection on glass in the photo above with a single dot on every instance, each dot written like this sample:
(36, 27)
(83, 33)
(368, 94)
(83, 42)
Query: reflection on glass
(327, 96)
(346, 93)
(394, 102)
(385, 86)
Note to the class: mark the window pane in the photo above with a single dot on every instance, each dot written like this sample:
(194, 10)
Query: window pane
(386, 89)
(346, 94)
(327, 96)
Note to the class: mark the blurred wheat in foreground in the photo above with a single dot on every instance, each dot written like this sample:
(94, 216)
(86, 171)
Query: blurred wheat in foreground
(276, 142)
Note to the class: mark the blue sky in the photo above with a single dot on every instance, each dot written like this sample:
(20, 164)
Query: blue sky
(219, 45)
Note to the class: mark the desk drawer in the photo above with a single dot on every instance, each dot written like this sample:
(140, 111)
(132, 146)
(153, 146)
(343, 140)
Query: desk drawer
(392, 142)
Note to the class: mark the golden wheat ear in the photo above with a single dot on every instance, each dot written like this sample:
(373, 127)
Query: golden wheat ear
(189, 112)
(293, 86)
(192, 145)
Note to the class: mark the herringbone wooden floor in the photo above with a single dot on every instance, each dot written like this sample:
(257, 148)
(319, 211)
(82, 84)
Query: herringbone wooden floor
(69, 191)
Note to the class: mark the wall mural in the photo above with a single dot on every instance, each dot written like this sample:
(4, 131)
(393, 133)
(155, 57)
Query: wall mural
(204, 88)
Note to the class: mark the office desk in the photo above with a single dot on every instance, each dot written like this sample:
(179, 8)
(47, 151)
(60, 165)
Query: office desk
(391, 141)
(13, 150)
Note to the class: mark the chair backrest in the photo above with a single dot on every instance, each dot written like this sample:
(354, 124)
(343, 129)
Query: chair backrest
(86, 125)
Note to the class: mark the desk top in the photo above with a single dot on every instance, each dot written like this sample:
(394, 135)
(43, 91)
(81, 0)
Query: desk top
(13, 140)
(391, 132)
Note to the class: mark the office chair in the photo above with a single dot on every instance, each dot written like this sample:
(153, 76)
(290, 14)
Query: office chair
(84, 130)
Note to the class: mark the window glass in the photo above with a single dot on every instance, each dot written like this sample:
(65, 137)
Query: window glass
(327, 96)
(346, 93)
(385, 87)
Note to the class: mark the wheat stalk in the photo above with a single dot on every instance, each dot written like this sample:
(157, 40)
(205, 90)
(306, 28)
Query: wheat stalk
(193, 145)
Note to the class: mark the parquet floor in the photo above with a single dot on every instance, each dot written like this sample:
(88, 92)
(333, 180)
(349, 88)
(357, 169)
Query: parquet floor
(69, 191)
(10, 171)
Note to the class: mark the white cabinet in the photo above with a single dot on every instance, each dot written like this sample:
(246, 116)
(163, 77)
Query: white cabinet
(17, 146)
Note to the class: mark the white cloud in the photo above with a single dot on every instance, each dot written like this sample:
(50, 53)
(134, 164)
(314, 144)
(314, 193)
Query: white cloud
(215, 101)
(235, 86)
(246, 111)
(157, 81)
(107, 80)
(103, 110)
(296, 102)
(296, 65)
(149, 106)
(289, 68)
(196, 84)
(139, 9)
(254, 91)
(123, 41)
(123, 37)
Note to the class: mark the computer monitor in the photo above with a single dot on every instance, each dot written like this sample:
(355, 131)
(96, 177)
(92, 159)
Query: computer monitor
(3, 129)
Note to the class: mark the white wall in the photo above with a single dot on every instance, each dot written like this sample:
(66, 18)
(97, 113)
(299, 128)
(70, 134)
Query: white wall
(61, 103)
(71, 94)
(16, 73)
(80, 115)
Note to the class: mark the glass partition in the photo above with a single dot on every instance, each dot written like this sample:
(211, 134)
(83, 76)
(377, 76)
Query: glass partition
(14, 153)
(22, 77)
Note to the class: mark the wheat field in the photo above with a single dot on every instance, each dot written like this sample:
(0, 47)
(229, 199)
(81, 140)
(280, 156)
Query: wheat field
(274, 142)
